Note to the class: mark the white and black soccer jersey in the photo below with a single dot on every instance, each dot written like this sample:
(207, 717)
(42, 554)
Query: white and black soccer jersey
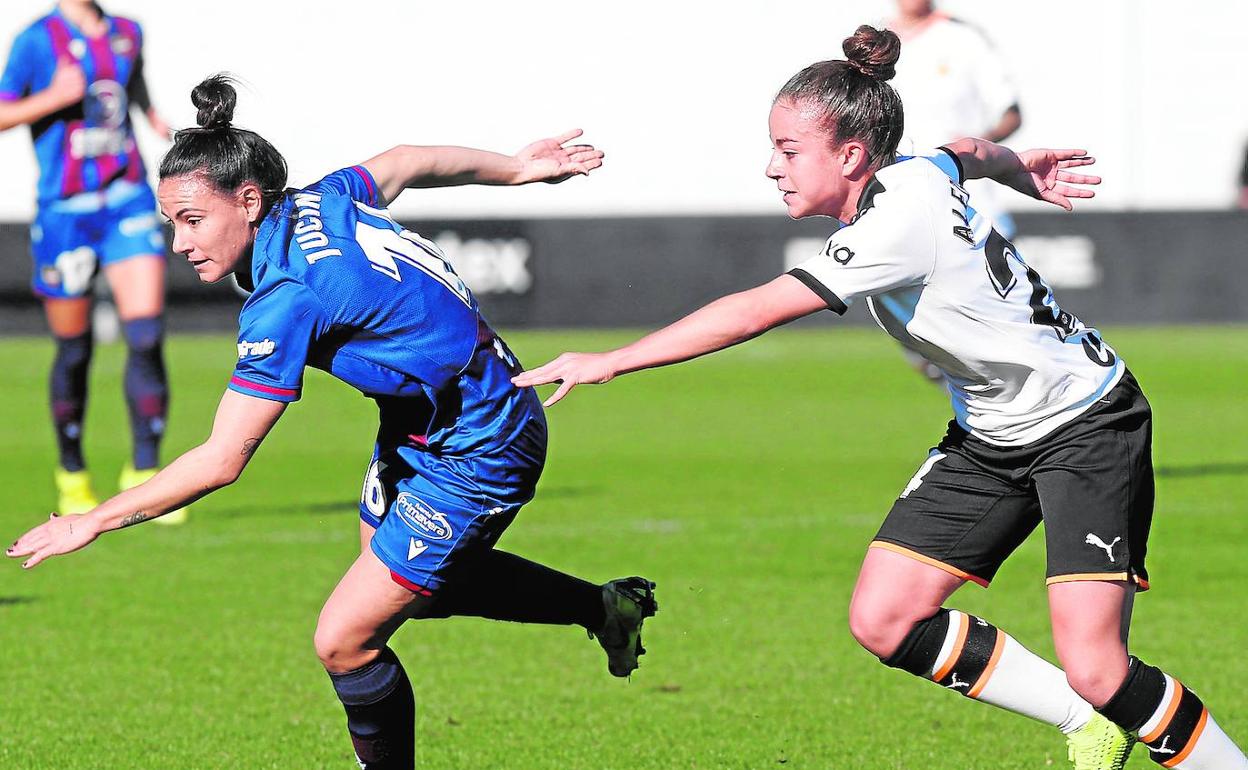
(938, 278)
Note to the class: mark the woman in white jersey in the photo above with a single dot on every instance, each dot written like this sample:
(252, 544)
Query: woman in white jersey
(1048, 423)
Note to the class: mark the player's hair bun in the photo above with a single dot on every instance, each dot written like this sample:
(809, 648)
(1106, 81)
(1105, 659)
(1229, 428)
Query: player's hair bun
(215, 98)
(873, 52)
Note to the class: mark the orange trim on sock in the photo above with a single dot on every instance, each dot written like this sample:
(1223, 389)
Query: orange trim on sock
(952, 570)
(1191, 743)
(964, 626)
(1165, 720)
(992, 664)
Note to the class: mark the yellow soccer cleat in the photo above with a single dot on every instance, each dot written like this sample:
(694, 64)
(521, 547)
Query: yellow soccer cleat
(131, 478)
(73, 492)
(1099, 745)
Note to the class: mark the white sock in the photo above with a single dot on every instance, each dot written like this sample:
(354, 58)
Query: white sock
(1013, 678)
(1208, 748)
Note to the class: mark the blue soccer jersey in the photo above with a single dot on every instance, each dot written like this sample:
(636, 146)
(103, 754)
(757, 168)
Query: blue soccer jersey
(340, 286)
(86, 146)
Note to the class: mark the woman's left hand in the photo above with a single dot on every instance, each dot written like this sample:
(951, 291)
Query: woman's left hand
(56, 536)
(1045, 175)
(549, 160)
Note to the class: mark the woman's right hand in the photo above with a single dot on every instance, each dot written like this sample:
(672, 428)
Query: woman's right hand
(1045, 175)
(69, 84)
(58, 535)
(570, 370)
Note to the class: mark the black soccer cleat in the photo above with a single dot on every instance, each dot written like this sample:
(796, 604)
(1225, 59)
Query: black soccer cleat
(627, 602)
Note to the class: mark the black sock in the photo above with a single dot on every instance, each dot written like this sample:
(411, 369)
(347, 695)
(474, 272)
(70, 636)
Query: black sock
(1173, 714)
(147, 392)
(67, 392)
(503, 586)
(381, 713)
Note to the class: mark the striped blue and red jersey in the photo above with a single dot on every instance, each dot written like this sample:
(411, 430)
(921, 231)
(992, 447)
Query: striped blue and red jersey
(340, 286)
(88, 145)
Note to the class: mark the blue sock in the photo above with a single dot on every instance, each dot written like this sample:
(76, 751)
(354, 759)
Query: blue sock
(147, 391)
(68, 393)
(381, 713)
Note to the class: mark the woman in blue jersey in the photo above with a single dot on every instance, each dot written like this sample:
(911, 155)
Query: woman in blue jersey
(73, 76)
(1049, 424)
(335, 283)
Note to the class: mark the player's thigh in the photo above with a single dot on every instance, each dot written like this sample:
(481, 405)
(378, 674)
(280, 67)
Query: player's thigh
(68, 317)
(138, 285)
(362, 613)
(893, 592)
(64, 251)
(960, 516)
(1090, 622)
(1096, 495)
(132, 251)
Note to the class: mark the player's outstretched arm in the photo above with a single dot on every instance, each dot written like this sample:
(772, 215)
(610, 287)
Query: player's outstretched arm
(725, 322)
(68, 86)
(1042, 174)
(241, 424)
(546, 160)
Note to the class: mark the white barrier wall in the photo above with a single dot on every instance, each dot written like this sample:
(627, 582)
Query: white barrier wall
(676, 92)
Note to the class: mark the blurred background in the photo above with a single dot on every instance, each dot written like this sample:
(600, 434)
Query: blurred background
(677, 94)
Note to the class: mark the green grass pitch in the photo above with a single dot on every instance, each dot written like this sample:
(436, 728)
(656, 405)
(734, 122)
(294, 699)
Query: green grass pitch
(747, 484)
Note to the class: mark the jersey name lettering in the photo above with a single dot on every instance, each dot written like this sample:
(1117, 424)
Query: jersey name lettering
(961, 200)
(309, 228)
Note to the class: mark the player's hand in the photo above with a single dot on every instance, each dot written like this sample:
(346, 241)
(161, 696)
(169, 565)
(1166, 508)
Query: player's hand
(554, 160)
(68, 84)
(1045, 175)
(569, 370)
(57, 535)
(159, 126)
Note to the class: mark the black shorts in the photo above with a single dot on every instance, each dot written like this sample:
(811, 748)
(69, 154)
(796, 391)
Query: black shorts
(1091, 482)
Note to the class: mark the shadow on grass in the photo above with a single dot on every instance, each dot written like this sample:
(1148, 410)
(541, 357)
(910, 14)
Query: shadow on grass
(294, 509)
(1204, 469)
(6, 601)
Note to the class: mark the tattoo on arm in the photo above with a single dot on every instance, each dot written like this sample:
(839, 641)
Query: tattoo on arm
(133, 518)
(249, 446)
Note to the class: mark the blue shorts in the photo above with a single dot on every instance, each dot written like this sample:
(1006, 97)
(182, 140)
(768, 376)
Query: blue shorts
(72, 238)
(433, 516)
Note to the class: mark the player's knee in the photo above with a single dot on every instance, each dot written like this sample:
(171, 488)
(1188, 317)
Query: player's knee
(73, 352)
(879, 630)
(338, 650)
(1094, 681)
(144, 335)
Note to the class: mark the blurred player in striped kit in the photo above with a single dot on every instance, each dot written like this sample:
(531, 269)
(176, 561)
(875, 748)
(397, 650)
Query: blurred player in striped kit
(73, 76)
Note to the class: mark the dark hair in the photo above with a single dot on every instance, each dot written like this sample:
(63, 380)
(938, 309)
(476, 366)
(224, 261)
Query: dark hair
(852, 95)
(224, 155)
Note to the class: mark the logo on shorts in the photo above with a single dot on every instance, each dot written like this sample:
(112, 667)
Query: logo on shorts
(421, 518)
(257, 349)
(1092, 539)
(415, 548)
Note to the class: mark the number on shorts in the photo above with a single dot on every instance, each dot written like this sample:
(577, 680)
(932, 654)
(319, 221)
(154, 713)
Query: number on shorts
(924, 469)
(373, 497)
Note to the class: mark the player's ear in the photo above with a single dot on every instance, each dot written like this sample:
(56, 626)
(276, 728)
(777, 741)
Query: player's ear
(252, 200)
(854, 159)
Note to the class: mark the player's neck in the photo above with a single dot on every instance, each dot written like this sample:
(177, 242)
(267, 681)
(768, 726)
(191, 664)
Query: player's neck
(910, 26)
(86, 16)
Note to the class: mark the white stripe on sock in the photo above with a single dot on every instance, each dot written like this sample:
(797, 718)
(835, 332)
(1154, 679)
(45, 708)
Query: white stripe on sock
(957, 621)
(1171, 692)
